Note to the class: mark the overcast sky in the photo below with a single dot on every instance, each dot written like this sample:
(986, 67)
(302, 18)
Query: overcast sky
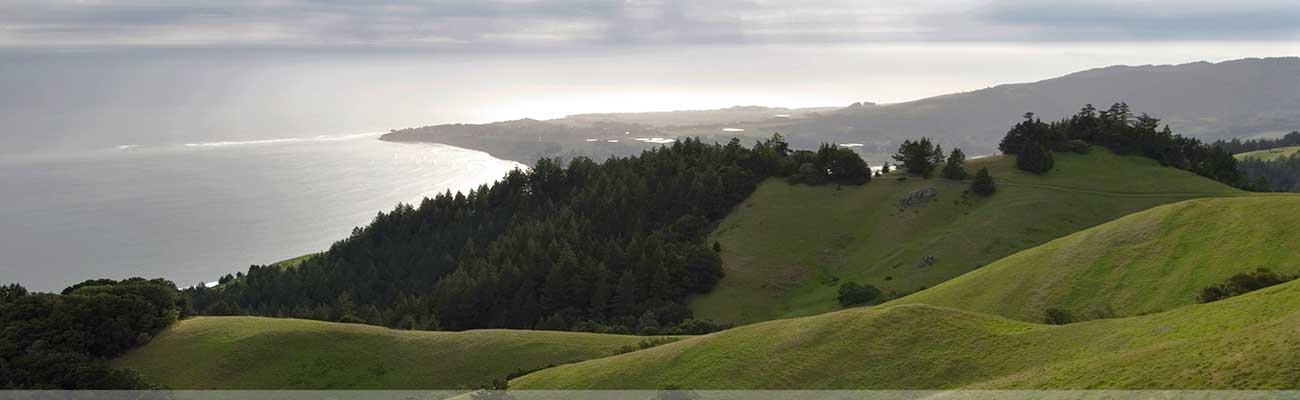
(504, 25)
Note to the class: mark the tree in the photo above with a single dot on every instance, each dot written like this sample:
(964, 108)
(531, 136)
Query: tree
(11, 292)
(918, 157)
(884, 169)
(955, 167)
(853, 293)
(983, 184)
(1034, 156)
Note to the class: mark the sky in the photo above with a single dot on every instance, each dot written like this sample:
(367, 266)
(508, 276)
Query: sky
(91, 74)
(530, 25)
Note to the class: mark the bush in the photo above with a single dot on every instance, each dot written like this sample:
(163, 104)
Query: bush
(983, 184)
(645, 344)
(1080, 147)
(853, 293)
(1243, 283)
(1056, 316)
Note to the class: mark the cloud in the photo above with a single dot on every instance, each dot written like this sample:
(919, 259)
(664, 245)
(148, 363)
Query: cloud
(499, 25)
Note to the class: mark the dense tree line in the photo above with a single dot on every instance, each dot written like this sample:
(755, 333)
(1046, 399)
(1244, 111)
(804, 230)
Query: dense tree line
(63, 341)
(617, 246)
(1119, 130)
(1237, 146)
(1277, 175)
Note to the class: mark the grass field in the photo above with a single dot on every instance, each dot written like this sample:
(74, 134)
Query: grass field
(1154, 260)
(1247, 342)
(787, 247)
(1270, 154)
(269, 353)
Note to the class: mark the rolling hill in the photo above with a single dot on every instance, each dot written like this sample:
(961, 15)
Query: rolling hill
(1270, 154)
(1247, 342)
(787, 248)
(1150, 261)
(273, 353)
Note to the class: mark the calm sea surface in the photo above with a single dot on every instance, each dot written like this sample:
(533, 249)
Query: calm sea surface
(193, 212)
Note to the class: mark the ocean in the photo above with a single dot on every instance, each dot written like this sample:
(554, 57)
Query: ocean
(193, 212)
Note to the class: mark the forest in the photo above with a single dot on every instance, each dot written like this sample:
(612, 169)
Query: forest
(63, 341)
(1237, 146)
(617, 246)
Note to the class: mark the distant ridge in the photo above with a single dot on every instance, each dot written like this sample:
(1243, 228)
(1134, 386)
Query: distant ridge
(1237, 98)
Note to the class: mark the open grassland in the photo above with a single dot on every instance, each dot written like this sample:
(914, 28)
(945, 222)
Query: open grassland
(272, 353)
(1247, 342)
(1150, 261)
(1270, 154)
(787, 248)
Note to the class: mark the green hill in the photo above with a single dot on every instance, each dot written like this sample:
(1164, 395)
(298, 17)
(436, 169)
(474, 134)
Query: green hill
(1270, 154)
(1149, 261)
(787, 247)
(1246, 342)
(271, 353)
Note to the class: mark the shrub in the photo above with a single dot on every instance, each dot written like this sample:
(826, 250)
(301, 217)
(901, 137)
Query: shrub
(983, 184)
(645, 344)
(1243, 283)
(1080, 147)
(853, 293)
(1056, 316)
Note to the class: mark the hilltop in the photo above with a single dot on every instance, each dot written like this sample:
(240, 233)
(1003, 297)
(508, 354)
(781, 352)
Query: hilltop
(279, 353)
(1270, 154)
(830, 235)
(1150, 261)
(1245, 342)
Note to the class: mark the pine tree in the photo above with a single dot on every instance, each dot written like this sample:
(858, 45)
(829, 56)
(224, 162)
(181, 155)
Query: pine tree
(1034, 157)
(955, 167)
(627, 298)
(983, 184)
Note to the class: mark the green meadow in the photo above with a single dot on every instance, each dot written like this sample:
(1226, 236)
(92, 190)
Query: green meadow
(787, 248)
(278, 353)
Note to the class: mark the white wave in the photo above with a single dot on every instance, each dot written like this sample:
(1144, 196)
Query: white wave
(851, 145)
(593, 140)
(732, 130)
(656, 140)
(320, 138)
(127, 146)
(782, 116)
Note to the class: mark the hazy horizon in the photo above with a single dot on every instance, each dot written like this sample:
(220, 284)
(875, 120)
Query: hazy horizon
(69, 101)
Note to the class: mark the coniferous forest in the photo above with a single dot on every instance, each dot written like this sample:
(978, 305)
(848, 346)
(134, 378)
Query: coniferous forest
(617, 246)
(1117, 129)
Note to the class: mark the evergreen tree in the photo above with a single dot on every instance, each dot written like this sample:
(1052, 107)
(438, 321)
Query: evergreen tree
(955, 168)
(983, 184)
(1034, 157)
(918, 157)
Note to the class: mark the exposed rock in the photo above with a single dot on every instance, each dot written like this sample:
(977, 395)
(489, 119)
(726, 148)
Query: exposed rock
(918, 198)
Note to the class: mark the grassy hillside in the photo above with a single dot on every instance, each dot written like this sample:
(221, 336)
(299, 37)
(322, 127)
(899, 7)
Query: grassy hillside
(1270, 154)
(787, 247)
(1149, 261)
(268, 353)
(1249, 341)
